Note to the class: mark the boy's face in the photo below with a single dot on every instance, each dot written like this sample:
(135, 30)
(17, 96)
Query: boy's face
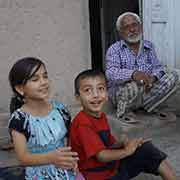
(93, 95)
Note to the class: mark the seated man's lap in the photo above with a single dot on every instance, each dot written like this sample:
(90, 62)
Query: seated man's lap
(169, 79)
(131, 95)
(160, 89)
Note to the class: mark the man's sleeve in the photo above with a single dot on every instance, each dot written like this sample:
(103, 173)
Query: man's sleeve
(158, 69)
(89, 140)
(114, 70)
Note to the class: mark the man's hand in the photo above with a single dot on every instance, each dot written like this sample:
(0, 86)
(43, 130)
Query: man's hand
(148, 80)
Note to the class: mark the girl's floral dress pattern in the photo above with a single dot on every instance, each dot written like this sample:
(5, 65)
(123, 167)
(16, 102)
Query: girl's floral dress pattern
(43, 134)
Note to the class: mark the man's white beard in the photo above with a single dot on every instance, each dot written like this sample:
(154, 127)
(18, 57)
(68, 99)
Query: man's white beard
(134, 39)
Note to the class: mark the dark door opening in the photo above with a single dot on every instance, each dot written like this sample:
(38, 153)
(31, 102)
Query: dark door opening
(95, 33)
(103, 16)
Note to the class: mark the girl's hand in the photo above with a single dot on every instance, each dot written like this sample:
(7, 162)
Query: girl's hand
(64, 158)
(75, 168)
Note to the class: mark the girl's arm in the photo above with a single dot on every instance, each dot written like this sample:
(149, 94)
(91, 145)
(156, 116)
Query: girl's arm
(62, 157)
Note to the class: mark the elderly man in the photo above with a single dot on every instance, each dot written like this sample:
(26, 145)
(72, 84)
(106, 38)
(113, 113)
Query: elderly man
(135, 76)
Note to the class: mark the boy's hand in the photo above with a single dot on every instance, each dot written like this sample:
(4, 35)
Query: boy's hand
(64, 158)
(121, 142)
(125, 140)
(146, 140)
(132, 145)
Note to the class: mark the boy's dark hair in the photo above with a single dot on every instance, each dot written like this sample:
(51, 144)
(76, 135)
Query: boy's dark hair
(90, 73)
(19, 74)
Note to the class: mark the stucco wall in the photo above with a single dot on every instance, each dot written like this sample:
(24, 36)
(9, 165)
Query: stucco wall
(160, 26)
(177, 37)
(57, 31)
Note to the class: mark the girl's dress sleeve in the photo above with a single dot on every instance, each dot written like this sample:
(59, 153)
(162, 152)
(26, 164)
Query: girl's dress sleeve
(63, 110)
(19, 123)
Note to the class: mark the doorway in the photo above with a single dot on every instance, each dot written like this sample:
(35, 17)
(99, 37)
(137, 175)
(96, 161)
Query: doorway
(103, 16)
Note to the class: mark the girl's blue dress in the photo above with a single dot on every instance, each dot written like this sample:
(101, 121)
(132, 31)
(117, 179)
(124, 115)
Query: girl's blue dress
(43, 134)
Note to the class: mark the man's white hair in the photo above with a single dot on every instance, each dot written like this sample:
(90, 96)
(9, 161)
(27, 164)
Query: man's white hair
(121, 17)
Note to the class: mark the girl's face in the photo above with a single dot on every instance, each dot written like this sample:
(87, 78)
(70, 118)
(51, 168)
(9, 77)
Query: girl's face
(37, 87)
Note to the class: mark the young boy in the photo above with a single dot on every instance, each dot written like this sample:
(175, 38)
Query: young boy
(101, 156)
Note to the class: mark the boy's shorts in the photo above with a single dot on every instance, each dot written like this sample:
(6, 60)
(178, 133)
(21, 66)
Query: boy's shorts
(147, 158)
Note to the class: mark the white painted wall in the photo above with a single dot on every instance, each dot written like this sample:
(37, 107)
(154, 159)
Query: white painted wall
(159, 27)
(57, 31)
(177, 32)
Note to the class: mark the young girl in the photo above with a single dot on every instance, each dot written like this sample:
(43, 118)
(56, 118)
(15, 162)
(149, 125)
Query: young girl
(37, 127)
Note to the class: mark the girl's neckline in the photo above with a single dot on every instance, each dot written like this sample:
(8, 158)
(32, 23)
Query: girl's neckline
(40, 116)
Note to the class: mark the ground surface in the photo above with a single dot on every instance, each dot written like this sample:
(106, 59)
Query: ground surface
(164, 134)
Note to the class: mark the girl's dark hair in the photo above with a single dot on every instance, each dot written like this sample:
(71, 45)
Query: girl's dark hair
(89, 73)
(19, 74)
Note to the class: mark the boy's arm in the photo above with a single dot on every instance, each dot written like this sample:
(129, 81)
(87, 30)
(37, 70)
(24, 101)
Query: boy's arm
(129, 148)
(120, 142)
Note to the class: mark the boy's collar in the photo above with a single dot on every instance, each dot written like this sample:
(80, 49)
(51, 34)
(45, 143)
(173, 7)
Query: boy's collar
(93, 116)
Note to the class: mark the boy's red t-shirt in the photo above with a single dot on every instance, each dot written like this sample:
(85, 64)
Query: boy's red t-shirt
(88, 136)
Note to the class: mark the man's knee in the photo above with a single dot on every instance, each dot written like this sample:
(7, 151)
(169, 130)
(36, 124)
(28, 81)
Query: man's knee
(170, 79)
